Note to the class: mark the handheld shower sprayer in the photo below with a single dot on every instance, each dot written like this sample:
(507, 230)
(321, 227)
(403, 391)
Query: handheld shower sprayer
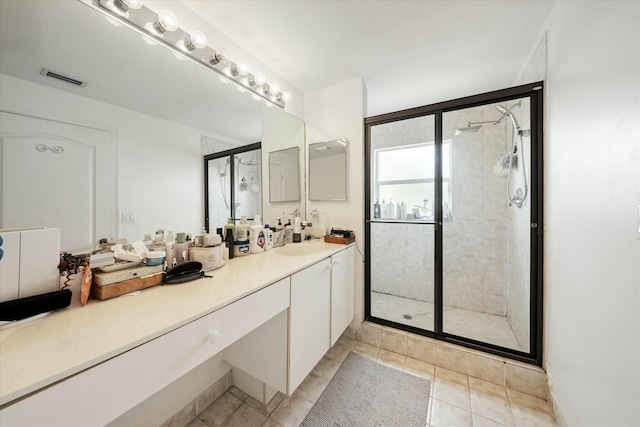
(521, 193)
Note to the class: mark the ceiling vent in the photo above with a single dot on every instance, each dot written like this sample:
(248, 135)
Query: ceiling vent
(62, 77)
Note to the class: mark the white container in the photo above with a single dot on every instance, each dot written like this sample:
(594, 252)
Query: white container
(242, 230)
(256, 236)
(155, 258)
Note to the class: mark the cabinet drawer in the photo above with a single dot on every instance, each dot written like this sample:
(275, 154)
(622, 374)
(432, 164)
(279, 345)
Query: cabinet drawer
(103, 392)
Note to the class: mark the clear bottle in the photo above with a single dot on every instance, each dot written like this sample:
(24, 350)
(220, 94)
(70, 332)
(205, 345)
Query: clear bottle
(181, 248)
(170, 248)
(376, 209)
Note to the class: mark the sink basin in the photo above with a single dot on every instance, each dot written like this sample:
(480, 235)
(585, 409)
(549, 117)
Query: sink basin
(298, 249)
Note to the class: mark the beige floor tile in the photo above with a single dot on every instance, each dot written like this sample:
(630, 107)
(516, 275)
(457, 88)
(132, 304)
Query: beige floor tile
(455, 377)
(366, 350)
(532, 402)
(238, 393)
(312, 387)
(346, 341)
(292, 411)
(452, 393)
(269, 407)
(392, 359)
(216, 413)
(338, 352)
(245, 416)
(491, 407)
(420, 369)
(197, 422)
(271, 423)
(326, 368)
(480, 421)
(526, 417)
(487, 387)
(446, 415)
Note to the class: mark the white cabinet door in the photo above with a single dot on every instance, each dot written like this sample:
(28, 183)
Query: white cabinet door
(342, 292)
(309, 321)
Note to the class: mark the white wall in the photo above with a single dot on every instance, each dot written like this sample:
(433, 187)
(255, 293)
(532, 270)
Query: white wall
(332, 113)
(592, 177)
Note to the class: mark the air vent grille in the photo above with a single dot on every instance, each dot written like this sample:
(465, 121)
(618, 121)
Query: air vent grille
(62, 77)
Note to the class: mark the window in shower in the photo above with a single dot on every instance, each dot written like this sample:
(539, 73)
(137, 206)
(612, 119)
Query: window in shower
(470, 276)
(233, 185)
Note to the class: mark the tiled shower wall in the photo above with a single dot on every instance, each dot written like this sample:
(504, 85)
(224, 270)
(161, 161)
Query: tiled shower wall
(475, 239)
(474, 242)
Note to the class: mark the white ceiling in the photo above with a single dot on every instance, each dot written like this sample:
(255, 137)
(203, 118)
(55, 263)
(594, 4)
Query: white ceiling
(410, 53)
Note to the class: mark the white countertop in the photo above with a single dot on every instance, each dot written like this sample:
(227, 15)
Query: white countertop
(48, 349)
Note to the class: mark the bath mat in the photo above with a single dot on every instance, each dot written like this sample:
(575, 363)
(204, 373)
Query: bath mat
(364, 393)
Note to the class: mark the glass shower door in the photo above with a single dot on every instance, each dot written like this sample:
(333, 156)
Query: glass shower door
(486, 240)
(401, 226)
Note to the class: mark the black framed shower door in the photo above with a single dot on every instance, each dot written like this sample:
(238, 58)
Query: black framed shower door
(453, 221)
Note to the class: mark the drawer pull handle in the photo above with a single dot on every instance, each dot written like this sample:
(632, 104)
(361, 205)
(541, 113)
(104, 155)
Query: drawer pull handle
(213, 337)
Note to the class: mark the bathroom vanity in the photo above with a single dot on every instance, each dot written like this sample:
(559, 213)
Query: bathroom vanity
(272, 315)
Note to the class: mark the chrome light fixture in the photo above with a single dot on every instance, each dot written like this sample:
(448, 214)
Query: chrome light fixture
(162, 28)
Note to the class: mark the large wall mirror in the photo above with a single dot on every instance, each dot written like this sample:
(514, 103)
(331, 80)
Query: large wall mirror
(328, 170)
(147, 112)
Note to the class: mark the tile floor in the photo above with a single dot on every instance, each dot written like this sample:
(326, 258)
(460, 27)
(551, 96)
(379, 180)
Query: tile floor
(456, 399)
(465, 323)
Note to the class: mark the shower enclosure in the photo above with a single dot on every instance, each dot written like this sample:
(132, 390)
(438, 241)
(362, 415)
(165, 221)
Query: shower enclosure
(454, 221)
(233, 185)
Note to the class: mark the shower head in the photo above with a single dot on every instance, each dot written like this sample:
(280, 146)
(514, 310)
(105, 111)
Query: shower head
(503, 110)
(468, 129)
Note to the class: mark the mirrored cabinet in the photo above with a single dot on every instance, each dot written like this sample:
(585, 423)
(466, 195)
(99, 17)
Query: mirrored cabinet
(328, 170)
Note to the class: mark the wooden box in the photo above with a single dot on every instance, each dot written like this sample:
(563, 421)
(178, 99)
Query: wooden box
(340, 240)
(113, 290)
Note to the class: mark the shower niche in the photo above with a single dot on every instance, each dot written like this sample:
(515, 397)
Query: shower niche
(454, 221)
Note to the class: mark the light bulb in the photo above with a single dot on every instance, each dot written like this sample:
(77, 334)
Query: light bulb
(274, 88)
(243, 68)
(167, 21)
(286, 96)
(259, 78)
(197, 40)
(124, 5)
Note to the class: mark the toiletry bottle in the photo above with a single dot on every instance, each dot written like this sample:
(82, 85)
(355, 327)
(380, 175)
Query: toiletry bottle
(391, 210)
(148, 241)
(288, 232)
(279, 226)
(228, 238)
(158, 244)
(297, 230)
(376, 209)
(229, 226)
(170, 248)
(242, 230)
(189, 243)
(181, 248)
(268, 238)
(256, 236)
(383, 210)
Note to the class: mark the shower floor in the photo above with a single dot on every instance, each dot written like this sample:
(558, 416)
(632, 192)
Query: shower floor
(479, 326)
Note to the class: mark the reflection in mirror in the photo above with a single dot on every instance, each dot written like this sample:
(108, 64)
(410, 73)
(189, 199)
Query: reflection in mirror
(328, 170)
(282, 131)
(156, 113)
(284, 175)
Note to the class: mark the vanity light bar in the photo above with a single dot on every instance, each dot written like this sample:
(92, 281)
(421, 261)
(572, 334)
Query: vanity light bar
(166, 32)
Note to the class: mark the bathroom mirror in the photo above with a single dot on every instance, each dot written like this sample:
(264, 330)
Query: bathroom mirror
(154, 110)
(328, 170)
(284, 175)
